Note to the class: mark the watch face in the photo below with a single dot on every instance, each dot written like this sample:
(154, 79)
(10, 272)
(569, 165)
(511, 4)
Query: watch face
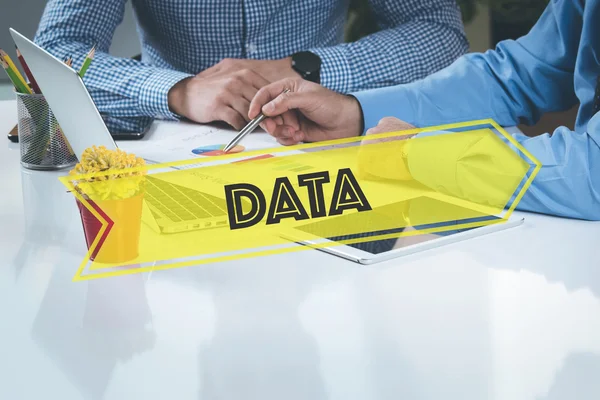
(307, 64)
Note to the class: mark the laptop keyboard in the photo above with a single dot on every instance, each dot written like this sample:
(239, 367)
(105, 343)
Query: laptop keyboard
(179, 203)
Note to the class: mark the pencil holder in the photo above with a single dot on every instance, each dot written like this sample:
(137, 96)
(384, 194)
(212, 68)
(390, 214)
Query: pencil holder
(42, 142)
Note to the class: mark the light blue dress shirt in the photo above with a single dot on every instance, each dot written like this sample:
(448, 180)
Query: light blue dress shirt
(552, 68)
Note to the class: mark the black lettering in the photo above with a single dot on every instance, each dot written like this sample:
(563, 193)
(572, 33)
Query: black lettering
(314, 183)
(285, 203)
(235, 210)
(347, 194)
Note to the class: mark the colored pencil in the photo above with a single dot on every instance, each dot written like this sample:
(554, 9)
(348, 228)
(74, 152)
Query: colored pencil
(34, 84)
(19, 86)
(15, 72)
(87, 61)
(4, 65)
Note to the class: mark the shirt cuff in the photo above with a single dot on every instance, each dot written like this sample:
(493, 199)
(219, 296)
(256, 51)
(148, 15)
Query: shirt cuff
(336, 73)
(377, 104)
(154, 91)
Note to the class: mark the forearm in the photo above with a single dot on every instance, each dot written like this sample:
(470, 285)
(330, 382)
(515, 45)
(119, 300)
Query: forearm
(477, 86)
(121, 87)
(515, 83)
(417, 39)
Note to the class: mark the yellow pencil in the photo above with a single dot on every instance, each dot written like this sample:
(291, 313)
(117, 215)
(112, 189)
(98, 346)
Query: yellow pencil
(14, 69)
(19, 87)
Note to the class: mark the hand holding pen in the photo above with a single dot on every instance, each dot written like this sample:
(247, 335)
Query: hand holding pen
(252, 125)
(308, 112)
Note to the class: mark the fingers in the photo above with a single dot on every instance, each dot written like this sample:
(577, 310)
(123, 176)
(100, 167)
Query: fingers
(287, 135)
(269, 125)
(253, 79)
(242, 89)
(270, 92)
(389, 124)
(240, 105)
(288, 101)
(247, 91)
(290, 118)
(287, 141)
(224, 66)
(245, 84)
(239, 90)
(234, 71)
(232, 117)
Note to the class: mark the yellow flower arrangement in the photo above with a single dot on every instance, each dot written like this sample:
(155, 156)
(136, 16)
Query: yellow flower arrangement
(115, 183)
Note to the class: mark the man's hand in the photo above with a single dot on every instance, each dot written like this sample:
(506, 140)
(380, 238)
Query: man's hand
(308, 113)
(390, 124)
(217, 97)
(271, 70)
(385, 163)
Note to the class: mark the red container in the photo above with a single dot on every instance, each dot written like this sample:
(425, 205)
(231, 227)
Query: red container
(120, 241)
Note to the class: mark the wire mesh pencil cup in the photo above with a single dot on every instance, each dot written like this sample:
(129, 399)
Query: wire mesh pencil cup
(42, 142)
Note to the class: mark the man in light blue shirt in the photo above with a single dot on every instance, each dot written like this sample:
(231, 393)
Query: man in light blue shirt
(205, 60)
(550, 69)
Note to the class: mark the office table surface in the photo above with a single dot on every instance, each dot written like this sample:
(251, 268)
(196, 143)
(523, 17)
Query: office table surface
(513, 315)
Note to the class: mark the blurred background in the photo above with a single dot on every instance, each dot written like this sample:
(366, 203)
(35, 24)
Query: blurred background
(486, 22)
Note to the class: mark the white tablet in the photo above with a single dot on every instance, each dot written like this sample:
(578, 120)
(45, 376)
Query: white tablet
(400, 241)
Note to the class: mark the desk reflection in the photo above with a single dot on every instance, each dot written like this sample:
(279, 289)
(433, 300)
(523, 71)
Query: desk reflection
(561, 265)
(260, 347)
(47, 205)
(577, 379)
(50, 213)
(86, 341)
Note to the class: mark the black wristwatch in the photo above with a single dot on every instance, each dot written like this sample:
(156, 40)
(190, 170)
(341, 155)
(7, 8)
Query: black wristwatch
(308, 65)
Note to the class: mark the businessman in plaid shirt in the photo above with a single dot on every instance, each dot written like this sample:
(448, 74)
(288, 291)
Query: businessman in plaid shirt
(205, 60)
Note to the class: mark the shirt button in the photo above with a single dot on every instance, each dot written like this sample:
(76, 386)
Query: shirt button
(251, 48)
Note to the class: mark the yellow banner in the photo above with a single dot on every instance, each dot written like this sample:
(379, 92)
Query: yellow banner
(265, 202)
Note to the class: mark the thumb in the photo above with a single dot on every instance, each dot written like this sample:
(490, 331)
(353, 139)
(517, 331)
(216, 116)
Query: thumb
(288, 101)
(269, 92)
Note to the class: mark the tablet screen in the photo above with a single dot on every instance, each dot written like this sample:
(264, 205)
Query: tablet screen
(420, 209)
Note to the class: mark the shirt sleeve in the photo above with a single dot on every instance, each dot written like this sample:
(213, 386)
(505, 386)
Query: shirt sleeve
(416, 38)
(567, 184)
(127, 90)
(517, 82)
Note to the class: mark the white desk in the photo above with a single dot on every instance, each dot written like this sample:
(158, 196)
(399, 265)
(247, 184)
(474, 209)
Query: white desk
(514, 315)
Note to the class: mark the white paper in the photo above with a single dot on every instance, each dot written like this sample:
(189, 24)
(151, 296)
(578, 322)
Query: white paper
(174, 141)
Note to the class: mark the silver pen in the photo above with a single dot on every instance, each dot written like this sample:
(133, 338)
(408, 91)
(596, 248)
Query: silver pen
(247, 129)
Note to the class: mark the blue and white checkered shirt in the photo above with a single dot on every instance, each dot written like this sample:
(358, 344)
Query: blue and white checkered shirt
(180, 38)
